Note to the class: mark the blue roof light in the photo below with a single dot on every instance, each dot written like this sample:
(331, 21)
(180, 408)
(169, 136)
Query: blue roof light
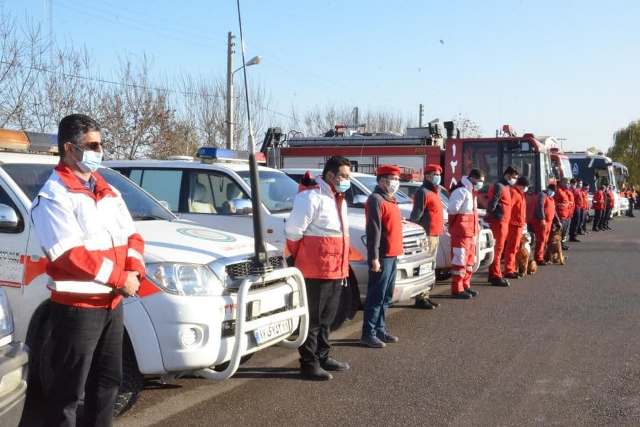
(214, 153)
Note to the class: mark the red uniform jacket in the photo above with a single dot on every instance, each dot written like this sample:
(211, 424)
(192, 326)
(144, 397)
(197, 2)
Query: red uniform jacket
(610, 199)
(563, 199)
(577, 198)
(518, 208)
(598, 200)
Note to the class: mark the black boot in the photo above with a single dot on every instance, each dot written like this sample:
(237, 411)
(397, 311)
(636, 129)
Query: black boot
(314, 373)
(331, 364)
(424, 303)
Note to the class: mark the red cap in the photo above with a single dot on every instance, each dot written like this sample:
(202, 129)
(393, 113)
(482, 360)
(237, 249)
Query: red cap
(388, 170)
(432, 167)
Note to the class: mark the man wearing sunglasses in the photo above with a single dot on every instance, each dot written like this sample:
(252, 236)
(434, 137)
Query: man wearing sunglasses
(95, 259)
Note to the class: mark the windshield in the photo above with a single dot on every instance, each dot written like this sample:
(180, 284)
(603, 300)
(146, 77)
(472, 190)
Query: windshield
(31, 177)
(277, 190)
(370, 183)
(566, 168)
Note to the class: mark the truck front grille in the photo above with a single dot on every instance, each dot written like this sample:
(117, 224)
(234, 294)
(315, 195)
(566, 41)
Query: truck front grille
(243, 269)
(413, 244)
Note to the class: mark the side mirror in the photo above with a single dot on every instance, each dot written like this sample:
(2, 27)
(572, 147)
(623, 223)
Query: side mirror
(359, 200)
(238, 207)
(9, 220)
(527, 169)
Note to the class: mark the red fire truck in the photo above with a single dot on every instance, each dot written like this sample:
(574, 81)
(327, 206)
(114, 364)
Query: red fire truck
(419, 147)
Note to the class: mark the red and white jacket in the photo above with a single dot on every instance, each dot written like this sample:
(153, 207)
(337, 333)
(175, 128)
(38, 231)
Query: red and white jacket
(89, 238)
(463, 211)
(317, 233)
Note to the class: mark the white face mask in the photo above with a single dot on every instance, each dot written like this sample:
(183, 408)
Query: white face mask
(394, 185)
(525, 189)
(512, 181)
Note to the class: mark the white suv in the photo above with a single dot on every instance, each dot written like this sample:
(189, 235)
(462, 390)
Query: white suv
(200, 310)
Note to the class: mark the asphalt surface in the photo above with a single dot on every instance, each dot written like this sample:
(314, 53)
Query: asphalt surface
(558, 348)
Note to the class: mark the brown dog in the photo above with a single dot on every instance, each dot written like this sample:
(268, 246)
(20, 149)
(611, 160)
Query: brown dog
(554, 253)
(523, 254)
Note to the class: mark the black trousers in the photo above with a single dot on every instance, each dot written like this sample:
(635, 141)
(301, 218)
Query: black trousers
(606, 217)
(323, 297)
(597, 219)
(86, 350)
(576, 220)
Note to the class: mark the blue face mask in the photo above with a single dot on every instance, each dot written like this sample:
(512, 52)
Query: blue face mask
(436, 179)
(343, 185)
(551, 193)
(91, 160)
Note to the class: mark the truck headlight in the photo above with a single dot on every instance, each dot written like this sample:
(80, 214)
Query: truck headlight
(6, 316)
(185, 279)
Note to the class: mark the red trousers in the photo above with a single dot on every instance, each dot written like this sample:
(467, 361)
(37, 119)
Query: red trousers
(542, 232)
(463, 251)
(500, 231)
(511, 247)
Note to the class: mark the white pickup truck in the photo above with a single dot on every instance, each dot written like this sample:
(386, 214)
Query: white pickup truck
(200, 310)
(215, 192)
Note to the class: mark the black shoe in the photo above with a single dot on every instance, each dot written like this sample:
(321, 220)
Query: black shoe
(573, 239)
(499, 281)
(542, 263)
(424, 303)
(565, 248)
(596, 230)
(433, 303)
(314, 373)
(387, 338)
(512, 276)
(580, 233)
(472, 292)
(331, 364)
(461, 295)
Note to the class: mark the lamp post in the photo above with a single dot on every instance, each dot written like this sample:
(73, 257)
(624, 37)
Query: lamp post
(230, 72)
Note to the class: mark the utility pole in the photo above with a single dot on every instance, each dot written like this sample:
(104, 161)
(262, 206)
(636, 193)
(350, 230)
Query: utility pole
(356, 122)
(420, 114)
(230, 53)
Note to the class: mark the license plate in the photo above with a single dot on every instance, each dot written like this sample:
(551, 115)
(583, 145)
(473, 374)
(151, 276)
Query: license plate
(272, 331)
(424, 269)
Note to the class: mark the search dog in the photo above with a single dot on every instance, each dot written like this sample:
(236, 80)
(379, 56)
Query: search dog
(554, 254)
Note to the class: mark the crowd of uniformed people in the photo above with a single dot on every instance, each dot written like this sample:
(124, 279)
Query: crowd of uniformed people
(89, 328)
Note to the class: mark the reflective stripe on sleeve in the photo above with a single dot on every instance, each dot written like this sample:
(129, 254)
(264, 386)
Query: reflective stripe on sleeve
(105, 271)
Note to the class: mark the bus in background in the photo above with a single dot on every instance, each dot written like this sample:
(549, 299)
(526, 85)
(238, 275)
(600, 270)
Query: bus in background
(595, 169)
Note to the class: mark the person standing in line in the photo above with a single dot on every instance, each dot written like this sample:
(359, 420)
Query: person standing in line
(585, 209)
(544, 216)
(384, 245)
(576, 218)
(599, 208)
(516, 225)
(317, 235)
(464, 229)
(610, 200)
(564, 208)
(499, 216)
(427, 212)
(95, 259)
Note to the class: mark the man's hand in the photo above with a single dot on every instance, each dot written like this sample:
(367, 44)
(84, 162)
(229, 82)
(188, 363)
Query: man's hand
(131, 285)
(375, 265)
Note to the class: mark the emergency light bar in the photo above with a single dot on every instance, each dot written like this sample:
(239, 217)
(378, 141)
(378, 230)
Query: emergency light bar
(28, 142)
(215, 154)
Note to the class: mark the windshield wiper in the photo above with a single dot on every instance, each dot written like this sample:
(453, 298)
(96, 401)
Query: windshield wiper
(146, 217)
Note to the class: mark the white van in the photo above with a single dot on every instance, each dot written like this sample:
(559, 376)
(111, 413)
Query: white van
(200, 310)
(215, 192)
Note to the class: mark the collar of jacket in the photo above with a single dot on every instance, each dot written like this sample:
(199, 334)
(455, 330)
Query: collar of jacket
(75, 185)
(388, 197)
(431, 186)
(326, 189)
(503, 181)
(467, 184)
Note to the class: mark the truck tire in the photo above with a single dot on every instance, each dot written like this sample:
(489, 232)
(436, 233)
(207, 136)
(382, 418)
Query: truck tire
(350, 303)
(132, 380)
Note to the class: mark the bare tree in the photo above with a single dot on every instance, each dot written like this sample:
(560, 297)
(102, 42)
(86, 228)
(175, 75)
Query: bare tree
(468, 128)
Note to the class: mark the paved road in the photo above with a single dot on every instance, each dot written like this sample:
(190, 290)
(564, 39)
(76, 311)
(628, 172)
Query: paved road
(561, 347)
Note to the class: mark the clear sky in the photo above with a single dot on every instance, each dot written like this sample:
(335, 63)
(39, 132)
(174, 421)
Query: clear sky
(564, 68)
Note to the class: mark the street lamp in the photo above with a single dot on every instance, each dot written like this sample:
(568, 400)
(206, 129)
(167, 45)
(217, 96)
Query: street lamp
(253, 61)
